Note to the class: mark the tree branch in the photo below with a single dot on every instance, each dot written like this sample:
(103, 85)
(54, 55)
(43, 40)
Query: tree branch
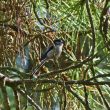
(29, 99)
(17, 101)
(76, 95)
(86, 99)
(15, 82)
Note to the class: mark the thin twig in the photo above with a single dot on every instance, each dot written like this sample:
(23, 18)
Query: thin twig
(86, 99)
(29, 99)
(39, 20)
(92, 26)
(99, 76)
(76, 95)
(103, 27)
(47, 4)
(15, 28)
(17, 101)
(100, 92)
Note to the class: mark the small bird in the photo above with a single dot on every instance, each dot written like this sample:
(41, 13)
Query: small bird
(52, 52)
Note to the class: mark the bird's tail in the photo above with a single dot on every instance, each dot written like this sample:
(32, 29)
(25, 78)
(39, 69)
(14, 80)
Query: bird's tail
(38, 68)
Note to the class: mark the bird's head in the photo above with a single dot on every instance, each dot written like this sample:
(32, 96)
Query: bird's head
(58, 42)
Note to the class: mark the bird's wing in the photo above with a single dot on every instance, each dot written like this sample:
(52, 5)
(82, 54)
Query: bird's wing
(44, 55)
(43, 59)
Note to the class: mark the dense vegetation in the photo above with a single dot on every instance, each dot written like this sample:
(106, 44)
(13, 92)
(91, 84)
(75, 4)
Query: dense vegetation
(80, 78)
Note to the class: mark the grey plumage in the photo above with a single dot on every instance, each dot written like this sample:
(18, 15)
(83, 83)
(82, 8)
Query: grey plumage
(52, 52)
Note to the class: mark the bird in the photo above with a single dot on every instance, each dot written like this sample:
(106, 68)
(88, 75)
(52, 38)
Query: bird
(53, 52)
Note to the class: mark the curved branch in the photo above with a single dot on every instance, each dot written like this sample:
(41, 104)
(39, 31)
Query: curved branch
(39, 20)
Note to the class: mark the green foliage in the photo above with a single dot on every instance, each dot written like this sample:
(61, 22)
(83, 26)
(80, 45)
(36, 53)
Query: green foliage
(82, 79)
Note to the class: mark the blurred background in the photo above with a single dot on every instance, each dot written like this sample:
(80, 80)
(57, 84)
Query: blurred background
(28, 27)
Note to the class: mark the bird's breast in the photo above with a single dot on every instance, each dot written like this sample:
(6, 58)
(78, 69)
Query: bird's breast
(58, 50)
(55, 52)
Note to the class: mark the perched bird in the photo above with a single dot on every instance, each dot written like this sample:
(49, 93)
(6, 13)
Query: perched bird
(52, 52)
